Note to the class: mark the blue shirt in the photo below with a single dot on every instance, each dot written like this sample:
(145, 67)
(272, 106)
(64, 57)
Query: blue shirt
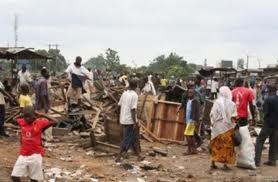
(188, 114)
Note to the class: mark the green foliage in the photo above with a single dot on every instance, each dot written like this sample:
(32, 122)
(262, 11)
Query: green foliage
(110, 62)
(171, 65)
(37, 64)
(57, 63)
(5, 65)
(142, 69)
(98, 62)
(112, 59)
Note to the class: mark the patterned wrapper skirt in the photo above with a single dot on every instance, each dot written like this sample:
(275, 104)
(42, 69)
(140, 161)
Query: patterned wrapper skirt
(222, 148)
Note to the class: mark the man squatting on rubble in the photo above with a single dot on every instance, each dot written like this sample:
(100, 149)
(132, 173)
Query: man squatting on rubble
(128, 105)
(77, 74)
(29, 162)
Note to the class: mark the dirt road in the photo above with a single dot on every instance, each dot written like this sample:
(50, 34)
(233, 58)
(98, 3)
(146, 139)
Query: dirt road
(66, 161)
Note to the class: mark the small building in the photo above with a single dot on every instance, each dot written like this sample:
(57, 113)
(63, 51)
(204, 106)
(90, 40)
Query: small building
(226, 64)
(20, 55)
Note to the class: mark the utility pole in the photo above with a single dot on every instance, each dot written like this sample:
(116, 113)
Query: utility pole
(53, 45)
(56, 48)
(247, 61)
(259, 62)
(205, 63)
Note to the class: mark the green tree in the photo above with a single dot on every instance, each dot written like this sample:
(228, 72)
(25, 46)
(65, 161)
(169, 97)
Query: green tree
(37, 64)
(112, 59)
(58, 62)
(98, 62)
(171, 65)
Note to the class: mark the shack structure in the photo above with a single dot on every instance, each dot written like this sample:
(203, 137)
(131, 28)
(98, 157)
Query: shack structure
(13, 54)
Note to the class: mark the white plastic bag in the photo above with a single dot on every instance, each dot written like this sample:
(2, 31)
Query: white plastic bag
(246, 153)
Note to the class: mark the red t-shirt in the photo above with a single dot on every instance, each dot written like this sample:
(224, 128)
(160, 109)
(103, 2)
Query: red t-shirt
(241, 97)
(31, 140)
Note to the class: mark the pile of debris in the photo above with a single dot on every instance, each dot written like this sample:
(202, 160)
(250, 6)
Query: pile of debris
(89, 116)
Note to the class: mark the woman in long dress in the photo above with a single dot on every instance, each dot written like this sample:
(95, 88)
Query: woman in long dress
(222, 118)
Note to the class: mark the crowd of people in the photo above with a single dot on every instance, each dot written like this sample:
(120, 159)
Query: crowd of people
(235, 108)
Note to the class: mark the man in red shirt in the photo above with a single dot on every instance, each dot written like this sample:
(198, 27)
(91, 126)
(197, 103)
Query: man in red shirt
(243, 97)
(29, 162)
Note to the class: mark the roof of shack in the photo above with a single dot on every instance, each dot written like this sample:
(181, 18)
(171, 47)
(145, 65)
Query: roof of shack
(20, 53)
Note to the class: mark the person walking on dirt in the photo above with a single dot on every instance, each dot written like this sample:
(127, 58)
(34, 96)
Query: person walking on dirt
(270, 129)
(243, 97)
(191, 108)
(128, 106)
(222, 115)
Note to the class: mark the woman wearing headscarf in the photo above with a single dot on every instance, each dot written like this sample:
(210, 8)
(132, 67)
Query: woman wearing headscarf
(222, 118)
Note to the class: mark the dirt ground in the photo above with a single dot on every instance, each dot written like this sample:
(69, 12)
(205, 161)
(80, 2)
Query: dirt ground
(76, 164)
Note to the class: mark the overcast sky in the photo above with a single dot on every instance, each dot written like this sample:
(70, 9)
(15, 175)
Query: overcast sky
(140, 30)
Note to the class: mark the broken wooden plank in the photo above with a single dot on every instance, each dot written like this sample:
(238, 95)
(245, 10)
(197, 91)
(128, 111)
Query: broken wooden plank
(149, 132)
(107, 145)
(86, 112)
(160, 151)
(58, 112)
(105, 155)
(171, 141)
(12, 117)
(146, 138)
(9, 96)
(96, 118)
(143, 105)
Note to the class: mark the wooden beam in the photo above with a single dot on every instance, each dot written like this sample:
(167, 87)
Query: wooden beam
(149, 132)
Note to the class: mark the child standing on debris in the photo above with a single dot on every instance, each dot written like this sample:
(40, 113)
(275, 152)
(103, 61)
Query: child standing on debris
(191, 107)
(24, 99)
(128, 120)
(41, 91)
(29, 162)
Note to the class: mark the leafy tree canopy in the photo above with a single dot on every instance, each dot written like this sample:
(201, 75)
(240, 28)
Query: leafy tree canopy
(111, 61)
(98, 62)
(57, 63)
(171, 65)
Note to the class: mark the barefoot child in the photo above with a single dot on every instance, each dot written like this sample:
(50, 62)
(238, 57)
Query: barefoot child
(29, 162)
(191, 110)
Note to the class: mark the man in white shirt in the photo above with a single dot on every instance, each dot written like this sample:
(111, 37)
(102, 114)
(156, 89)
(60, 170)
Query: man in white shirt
(128, 120)
(2, 111)
(77, 74)
(214, 88)
(24, 76)
(149, 87)
(89, 85)
(208, 89)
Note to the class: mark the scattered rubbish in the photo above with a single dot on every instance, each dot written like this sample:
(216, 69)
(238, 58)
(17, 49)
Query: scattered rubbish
(127, 166)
